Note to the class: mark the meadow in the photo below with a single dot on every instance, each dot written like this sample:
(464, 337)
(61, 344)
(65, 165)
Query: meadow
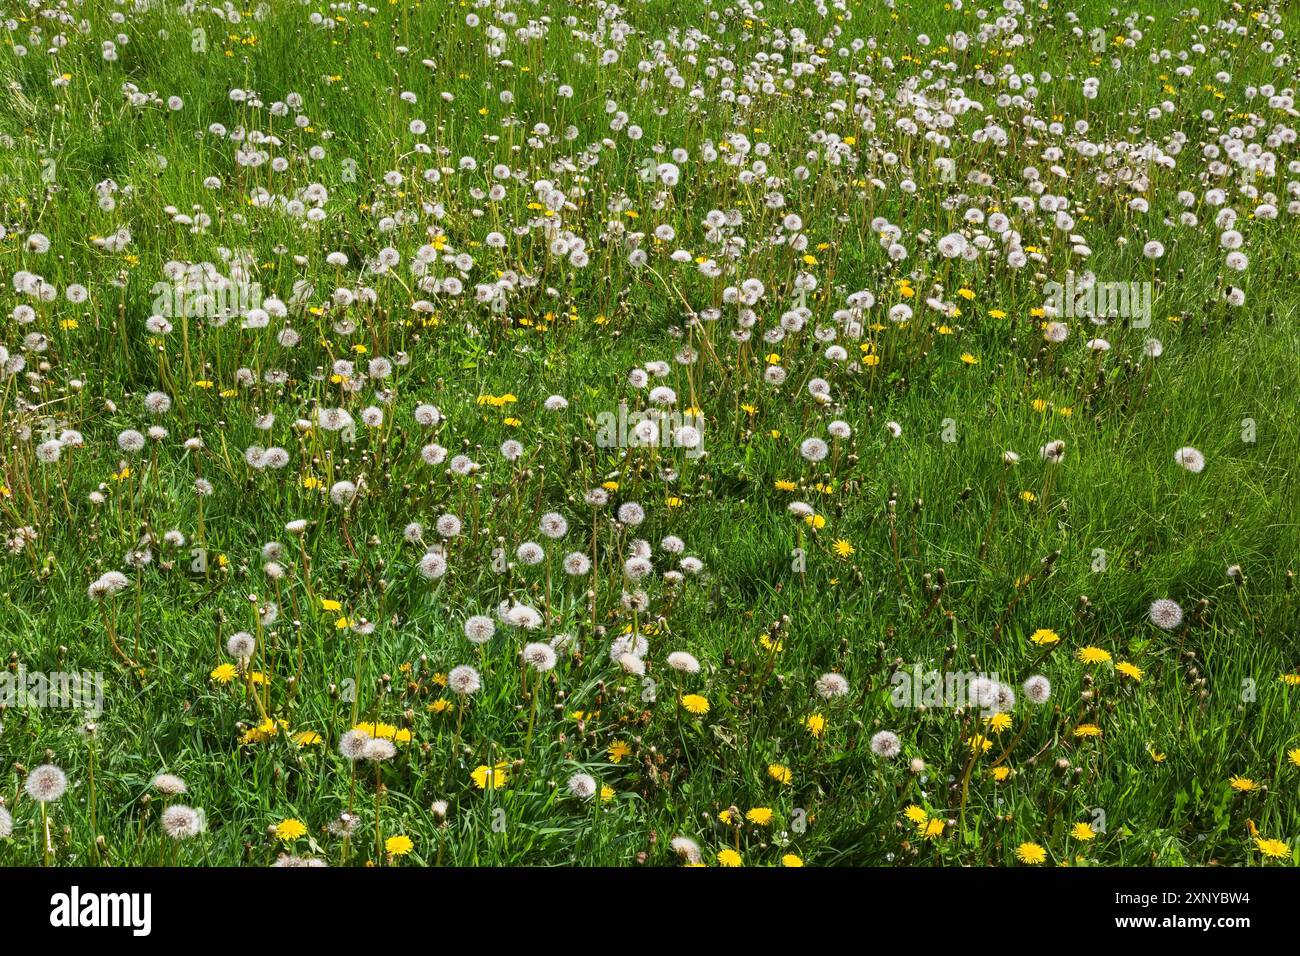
(778, 433)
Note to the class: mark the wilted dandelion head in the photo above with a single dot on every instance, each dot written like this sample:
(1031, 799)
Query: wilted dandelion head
(287, 860)
(6, 824)
(46, 783)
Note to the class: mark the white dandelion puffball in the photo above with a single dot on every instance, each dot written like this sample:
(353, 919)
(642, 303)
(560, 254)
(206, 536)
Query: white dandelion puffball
(886, 744)
(1191, 459)
(1165, 614)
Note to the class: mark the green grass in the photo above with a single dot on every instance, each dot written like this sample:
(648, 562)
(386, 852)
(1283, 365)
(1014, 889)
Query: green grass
(953, 576)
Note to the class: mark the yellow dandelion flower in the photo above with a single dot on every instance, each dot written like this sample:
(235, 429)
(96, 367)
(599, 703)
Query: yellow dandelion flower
(1083, 832)
(696, 704)
(916, 814)
(399, 845)
(224, 673)
(781, 773)
(290, 829)
(1273, 849)
(1129, 670)
(729, 858)
(1092, 655)
(485, 776)
(1044, 636)
(618, 750)
(1032, 853)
